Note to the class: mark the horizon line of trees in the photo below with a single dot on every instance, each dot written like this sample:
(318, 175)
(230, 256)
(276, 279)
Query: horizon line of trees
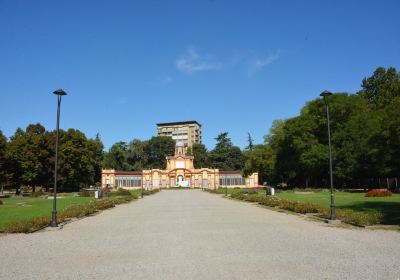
(28, 157)
(365, 130)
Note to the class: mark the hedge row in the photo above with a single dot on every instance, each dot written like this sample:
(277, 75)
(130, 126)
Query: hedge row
(347, 216)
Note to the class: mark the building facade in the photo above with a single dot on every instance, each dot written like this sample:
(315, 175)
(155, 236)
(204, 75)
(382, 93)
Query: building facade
(188, 132)
(180, 172)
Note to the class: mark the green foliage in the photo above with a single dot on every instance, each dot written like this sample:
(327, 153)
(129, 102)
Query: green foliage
(30, 156)
(139, 155)
(3, 159)
(382, 87)
(345, 215)
(157, 149)
(200, 154)
(365, 130)
(226, 156)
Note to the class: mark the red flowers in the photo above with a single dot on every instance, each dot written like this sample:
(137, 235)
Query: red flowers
(378, 193)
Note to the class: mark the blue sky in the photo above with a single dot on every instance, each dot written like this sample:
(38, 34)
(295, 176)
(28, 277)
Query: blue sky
(233, 66)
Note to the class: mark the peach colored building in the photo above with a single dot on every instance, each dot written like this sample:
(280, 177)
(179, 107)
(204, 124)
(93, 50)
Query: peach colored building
(180, 172)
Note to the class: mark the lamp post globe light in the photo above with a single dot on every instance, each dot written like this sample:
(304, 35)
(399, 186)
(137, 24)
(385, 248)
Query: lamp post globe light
(59, 93)
(326, 94)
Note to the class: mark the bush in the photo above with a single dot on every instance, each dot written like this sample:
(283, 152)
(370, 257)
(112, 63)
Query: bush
(1, 202)
(378, 193)
(119, 192)
(28, 225)
(347, 216)
(86, 194)
(38, 193)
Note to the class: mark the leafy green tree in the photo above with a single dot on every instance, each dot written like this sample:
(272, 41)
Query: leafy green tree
(136, 154)
(4, 176)
(382, 87)
(200, 154)
(96, 148)
(29, 156)
(250, 144)
(157, 149)
(116, 157)
(225, 156)
(77, 161)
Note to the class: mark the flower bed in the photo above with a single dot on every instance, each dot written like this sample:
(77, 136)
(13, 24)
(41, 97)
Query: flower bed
(378, 193)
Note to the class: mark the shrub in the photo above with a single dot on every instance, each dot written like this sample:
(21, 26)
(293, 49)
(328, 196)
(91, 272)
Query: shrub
(28, 225)
(38, 193)
(347, 216)
(86, 194)
(354, 217)
(119, 192)
(1, 202)
(378, 193)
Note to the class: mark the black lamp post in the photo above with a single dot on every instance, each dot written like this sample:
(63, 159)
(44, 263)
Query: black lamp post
(325, 94)
(141, 189)
(59, 93)
(226, 187)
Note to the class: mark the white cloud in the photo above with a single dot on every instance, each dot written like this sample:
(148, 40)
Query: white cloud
(259, 63)
(192, 62)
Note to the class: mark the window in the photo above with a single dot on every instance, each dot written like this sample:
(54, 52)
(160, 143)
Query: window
(205, 183)
(196, 183)
(232, 180)
(128, 181)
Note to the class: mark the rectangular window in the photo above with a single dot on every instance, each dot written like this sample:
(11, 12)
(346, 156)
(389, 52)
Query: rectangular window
(171, 183)
(205, 183)
(155, 183)
(164, 183)
(196, 183)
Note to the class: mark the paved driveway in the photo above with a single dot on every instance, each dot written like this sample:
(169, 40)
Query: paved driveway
(196, 235)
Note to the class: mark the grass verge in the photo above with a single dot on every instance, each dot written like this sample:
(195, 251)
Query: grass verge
(92, 206)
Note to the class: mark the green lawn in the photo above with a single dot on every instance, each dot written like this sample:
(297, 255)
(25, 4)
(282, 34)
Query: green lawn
(388, 206)
(25, 208)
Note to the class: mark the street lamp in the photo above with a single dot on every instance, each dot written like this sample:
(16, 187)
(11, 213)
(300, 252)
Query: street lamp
(325, 94)
(226, 187)
(59, 93)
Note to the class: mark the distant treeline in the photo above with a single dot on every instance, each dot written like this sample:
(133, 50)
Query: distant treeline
(27, 158)
(365, 139)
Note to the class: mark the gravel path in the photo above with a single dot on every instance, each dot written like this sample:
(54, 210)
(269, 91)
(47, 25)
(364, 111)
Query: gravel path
(197, 235)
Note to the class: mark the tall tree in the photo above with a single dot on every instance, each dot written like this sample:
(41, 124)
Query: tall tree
(29, 156)
(250, 144)
(225, 156)
(116, 157)
(77, 161)
(382, 87)
(200, 154)
(3, 160)
(136, 154)
(157, 149)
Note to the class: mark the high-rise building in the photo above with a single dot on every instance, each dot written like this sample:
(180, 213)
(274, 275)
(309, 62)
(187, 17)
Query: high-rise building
(188, 132)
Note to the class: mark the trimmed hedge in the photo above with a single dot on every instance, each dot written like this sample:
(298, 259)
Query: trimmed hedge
(347, 216)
